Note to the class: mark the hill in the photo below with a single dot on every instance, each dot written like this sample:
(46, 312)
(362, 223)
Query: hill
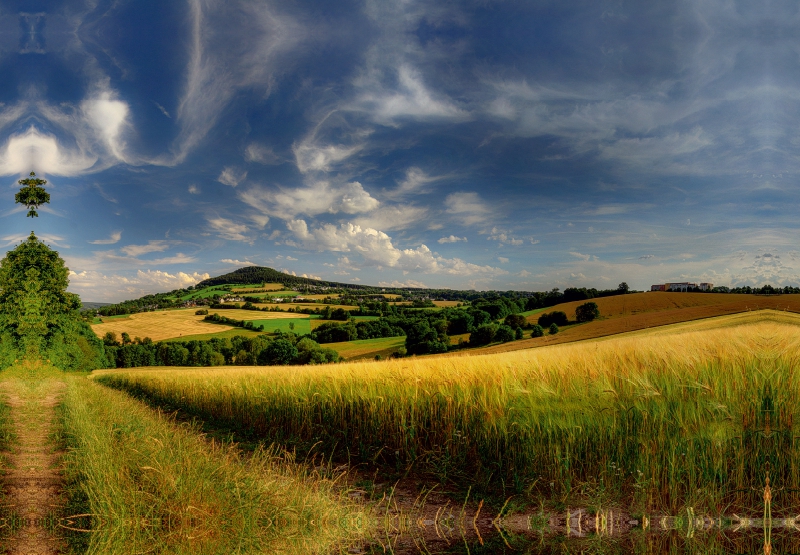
(253, 275)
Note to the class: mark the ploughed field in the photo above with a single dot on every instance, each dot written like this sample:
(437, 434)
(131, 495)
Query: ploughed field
(696, 415)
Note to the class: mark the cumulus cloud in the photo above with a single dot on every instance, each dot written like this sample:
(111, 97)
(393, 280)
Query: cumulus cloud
(194, 190)
(230, 230)
(97, 286)
(503, 238)
(113, 239)
(42, 153)
(318, 198)
(233, 262)
(377, 249)
(231, 176)
(452, 239)
(393, 217)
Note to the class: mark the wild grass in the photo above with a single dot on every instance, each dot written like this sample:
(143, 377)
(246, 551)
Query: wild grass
(152, 486)
(657, 421)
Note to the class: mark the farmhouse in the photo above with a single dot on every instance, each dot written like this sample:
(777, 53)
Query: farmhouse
(682, 286)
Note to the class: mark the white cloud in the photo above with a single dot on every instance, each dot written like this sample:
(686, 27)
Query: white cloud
(108, 117)
(233, 262)
(311, 157)
(151, 246)
(229, 49)
(503, 238)
(96, 286)
(414, 182)
(393, 217)
(452, 239)
(16, 239)
(377, 249)
(261, 154)
(468, 208)
(502, 259)
(402, 284)
(318, 198)
(228, 229)
(231, 176)
(411, 99)
(193, 189)
(42, 153)
(113, 239)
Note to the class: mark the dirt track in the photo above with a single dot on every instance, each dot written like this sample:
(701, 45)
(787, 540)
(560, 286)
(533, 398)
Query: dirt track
(33, 482)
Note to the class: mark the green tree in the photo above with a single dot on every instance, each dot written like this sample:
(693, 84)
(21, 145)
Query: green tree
(537, 331)
(587, 312)
(278, 352)
(32, 194)
(553, 329)
(504, 334)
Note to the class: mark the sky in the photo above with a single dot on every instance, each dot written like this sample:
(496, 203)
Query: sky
(477, 144)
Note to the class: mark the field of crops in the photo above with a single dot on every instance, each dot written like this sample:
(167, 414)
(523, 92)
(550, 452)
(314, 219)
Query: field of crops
(168, 324)
(367, 348)
(641, 311)
(663, 419)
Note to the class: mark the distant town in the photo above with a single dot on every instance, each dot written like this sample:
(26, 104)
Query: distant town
(682, 286)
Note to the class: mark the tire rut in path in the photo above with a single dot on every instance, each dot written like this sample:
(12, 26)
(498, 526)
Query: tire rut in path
(33, 483)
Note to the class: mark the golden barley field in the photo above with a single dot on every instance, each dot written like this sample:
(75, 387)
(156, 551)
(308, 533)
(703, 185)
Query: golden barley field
(657, 419)
(168, 324)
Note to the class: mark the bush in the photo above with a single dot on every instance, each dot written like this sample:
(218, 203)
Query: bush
(537, 331)
(483, 335)
(587, 312)
(504, 334)
(518, 333)
(516, 321)
(201, 312)
(553, 329)
(556, 317)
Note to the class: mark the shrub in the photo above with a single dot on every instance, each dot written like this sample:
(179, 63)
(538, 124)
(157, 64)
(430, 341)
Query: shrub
(553, 329)
(516, 321)
(537, 331)
(483, 335)
(587, 312)
(504, 334)
(518, 333)
(201, 312)
(556, 317)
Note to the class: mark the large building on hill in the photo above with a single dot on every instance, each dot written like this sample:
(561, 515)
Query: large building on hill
(682, 286)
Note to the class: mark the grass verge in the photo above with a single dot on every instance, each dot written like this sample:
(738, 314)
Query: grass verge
(150, 485)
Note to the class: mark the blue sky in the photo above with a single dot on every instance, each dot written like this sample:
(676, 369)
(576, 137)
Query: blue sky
(474, 144)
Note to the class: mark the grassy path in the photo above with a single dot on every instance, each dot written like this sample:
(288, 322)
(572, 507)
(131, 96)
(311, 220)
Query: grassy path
(33, 482)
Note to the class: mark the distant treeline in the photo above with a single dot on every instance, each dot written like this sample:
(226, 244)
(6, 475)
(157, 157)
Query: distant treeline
(248, 351)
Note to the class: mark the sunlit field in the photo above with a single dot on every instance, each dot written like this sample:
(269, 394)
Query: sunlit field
(661, 419)
(167, 324)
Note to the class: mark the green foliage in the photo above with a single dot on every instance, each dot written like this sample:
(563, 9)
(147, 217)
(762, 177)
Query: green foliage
(587, 312)
(553, 329)
(504, 334)
(32, 194)
(483, 335)
(556, 317)
(278, 352)
(39, 319)
(537, 331)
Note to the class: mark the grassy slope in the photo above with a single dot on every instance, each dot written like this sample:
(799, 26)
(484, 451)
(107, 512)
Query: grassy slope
(652, 420)
(646, 310)
(367, 348)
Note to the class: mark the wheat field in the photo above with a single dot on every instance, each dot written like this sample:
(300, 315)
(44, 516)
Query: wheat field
(662, 419)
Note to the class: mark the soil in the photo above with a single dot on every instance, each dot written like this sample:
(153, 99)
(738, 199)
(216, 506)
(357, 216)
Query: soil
(33, 482)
